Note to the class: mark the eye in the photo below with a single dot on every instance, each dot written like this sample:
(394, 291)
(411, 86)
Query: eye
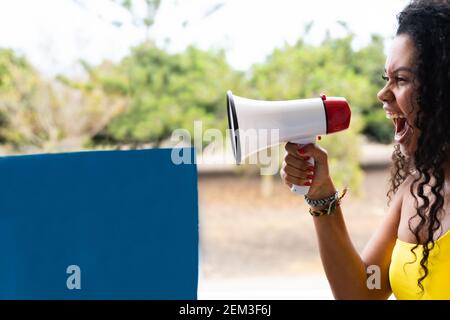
(385, 78)
(400, 79)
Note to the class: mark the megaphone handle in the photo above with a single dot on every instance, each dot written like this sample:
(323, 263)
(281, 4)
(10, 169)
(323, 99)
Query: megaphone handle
(302, 190)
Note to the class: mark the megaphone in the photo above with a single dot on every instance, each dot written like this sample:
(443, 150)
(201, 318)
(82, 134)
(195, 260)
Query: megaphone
(298, 121)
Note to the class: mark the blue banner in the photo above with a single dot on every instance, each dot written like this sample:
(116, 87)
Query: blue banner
(98, 225)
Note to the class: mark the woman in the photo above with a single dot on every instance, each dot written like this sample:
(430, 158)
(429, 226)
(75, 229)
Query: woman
(411, 248)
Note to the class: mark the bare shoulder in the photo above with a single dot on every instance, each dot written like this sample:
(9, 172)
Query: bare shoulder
(395, 207)
(379, 248)
(402, 204)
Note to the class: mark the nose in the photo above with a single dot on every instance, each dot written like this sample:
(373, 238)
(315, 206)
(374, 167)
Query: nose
(385, 95)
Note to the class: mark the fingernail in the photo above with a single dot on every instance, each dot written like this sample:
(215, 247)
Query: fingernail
(310, 177)
(301, 151)
(307, 183)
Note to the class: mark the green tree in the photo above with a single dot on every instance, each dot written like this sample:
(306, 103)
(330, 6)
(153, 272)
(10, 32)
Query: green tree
(167, 91)
(43, 116)
(369, 62)
(19, 86)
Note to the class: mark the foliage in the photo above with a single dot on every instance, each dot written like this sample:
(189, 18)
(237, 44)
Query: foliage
(377, 128)
(149, 93)
(167, 91)
(19, 86)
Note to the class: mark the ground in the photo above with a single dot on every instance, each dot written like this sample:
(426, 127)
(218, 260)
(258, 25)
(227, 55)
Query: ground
(265, 246)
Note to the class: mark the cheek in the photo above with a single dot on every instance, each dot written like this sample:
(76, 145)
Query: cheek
(411, 145)
(407, 103)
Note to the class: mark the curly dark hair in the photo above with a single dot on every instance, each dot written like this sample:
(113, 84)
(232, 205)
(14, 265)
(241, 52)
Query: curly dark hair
(427, 22)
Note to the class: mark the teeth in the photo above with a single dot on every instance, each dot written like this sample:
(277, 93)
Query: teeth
(394, 116)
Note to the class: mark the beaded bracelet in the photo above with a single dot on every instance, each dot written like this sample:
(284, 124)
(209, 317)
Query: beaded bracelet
(321, 202)
(331, 205)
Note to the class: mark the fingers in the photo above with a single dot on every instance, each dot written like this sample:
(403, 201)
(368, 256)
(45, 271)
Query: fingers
(283, 177)
(298, 173)
(299, 163)
(306, 151)
(315, 151)
(296, 169)
(290, 179)
(293, 150)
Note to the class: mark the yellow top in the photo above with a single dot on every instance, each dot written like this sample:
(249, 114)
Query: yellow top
(405, 270)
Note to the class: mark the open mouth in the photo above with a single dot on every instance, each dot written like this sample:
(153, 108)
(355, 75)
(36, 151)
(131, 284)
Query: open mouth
(401, 128)
(400, 125)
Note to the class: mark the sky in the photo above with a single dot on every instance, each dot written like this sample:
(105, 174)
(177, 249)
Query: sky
(55, 34)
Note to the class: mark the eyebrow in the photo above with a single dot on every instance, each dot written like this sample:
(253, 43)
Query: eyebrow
(401, 69)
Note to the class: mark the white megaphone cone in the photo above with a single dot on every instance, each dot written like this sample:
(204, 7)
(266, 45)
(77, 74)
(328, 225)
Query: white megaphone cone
(298, 121)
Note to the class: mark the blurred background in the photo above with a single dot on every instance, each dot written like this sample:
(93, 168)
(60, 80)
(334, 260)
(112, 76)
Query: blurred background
(123, 74)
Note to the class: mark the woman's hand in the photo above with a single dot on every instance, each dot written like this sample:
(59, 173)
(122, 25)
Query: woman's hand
(296, 169)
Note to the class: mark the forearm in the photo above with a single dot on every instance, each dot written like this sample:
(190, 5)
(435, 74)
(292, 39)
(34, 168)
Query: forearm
(344, 267)
(345, 270)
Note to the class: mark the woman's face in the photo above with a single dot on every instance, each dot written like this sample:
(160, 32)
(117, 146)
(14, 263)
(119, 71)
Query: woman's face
(399, 94)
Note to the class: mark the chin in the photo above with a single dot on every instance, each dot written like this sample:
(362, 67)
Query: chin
(408, 147)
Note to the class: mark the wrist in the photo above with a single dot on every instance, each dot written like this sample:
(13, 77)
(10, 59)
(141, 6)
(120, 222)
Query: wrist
(325, 206)
(325, 190)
